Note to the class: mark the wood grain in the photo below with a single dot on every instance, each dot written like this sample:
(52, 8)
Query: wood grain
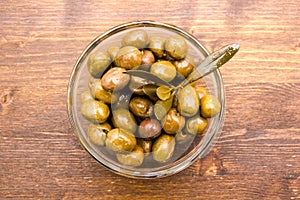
(258, 153)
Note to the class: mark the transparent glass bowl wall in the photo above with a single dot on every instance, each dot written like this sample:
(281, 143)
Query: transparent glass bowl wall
(187, 152)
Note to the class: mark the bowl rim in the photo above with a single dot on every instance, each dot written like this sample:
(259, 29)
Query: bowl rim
(134, 173)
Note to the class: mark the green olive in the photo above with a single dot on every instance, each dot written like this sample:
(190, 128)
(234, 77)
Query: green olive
(115, 79)
(185, 66)
(99, 93)
(188, 102)
(136, 38)
(95, 111)
(157, 46)
(120, 140)
(163, 148)
(128, 57)
(123, 118)
(134, 158)
(123, 101)
(113, 51)
(97, 63)
(149, 129)
(201, 91)
(164, 70)
(173, 122)
(196, 125)
(141, 107)
(85, 96)
(145, 144)
(210, 106)
(182, 136)
(97, 133)
(176, 47)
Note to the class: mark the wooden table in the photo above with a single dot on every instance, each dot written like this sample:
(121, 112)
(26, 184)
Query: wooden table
(258, 153)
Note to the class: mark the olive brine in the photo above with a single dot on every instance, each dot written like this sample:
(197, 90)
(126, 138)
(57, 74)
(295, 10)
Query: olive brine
(133, 105)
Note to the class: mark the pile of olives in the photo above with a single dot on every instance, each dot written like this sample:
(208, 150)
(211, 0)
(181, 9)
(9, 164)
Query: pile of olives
(136, 117)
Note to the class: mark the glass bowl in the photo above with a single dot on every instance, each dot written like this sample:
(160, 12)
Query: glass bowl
(186, 152)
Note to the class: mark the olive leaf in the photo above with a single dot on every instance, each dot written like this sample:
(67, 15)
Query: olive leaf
(211, 63)
(148, 76)
(150, 91)
(163, 92)
(162, 107)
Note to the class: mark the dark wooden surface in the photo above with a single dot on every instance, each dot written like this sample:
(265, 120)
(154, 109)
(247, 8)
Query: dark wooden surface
(258, 153)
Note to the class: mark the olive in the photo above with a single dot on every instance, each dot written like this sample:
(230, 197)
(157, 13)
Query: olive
(120, 140)
(164, 70)
(136, 38)
(188, 102)
(210, 106)
(157, 46)
(134, 158)
(149, 128)
(184, 66)
(101, 94)
(145, 144)
(95, 111)
(85, 96)
(176, 47)
(123, 118)
(113, 51)
(201, 91)
(163, 148)
(147, 59)
(173, 122)
(136, 83)
(128, 57)
(182, 136)
(141, 107)
(196, 125)
(123, 101)
(115, 79)
(97, 63)
(97, 133)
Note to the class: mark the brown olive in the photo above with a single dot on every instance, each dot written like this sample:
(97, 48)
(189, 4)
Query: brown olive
(97, 63)
(149, 128)
(164, 70)
(128, 57)
(95, 111)
(145, 144)
(124, 119)
(157, 46)
(196, 125)
(210, 106)
(97, 133)
(184, 66)
(148, 59)
(136, 38)
(134, 158)
(113, 51)
(188, 102)
(176, 47)
(163, 148)
(201, 91)
(85, 96)
(173, 122)
(99, 93)
(115, 79)
(120, 140)
(141, 107)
